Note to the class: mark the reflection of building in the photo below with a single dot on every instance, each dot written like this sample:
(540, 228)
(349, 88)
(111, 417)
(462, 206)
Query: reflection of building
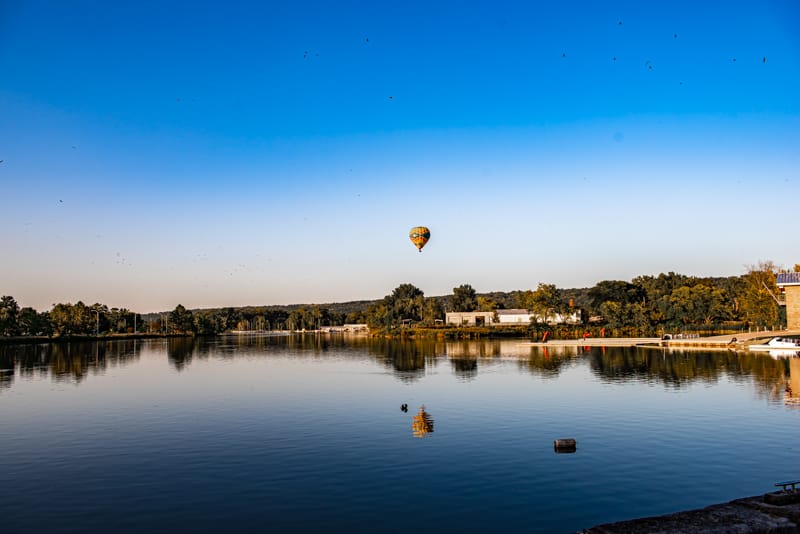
(789, 284)
(422, 425)
(793, 385)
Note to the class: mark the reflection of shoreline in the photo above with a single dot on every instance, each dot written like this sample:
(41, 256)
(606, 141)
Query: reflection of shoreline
(410, 360)
(76, 338)
(65, 361)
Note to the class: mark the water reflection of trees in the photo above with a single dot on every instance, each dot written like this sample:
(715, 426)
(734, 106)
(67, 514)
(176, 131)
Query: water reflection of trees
(180, 351)
(406, 357)
(71, 362)
(680, 368)
(547, 362)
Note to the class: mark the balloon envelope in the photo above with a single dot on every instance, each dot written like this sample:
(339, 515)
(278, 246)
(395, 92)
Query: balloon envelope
(419, 235)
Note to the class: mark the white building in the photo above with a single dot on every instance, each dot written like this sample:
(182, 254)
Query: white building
(473, 318)
(506, 317)
(514, 316)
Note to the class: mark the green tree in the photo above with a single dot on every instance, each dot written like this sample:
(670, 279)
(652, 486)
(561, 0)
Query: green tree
(432, 310)
(616, 291)
(32, 323)
(486, 303)
(406, 302)
(69, 319)
(9, 311)
(545, 302)
(300, 319)
(205, 323)
(181, 320)
(758, 306)
(613, 313)
(464, 299)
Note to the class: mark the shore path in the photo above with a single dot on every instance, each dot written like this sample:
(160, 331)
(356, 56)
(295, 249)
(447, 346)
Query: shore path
(712, 342)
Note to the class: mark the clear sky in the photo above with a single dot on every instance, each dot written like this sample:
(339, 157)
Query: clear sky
(237, 153)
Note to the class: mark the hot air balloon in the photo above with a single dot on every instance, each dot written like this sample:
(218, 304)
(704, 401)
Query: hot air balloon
(419, 235)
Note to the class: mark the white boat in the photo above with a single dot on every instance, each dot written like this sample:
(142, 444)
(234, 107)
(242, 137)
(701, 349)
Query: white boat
(778, 343)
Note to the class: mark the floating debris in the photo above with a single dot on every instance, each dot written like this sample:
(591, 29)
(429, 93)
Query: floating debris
(564, 445)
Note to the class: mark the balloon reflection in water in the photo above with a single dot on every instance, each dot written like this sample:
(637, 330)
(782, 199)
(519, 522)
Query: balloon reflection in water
(422, 425)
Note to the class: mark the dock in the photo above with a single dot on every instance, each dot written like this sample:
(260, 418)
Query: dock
(735, 342)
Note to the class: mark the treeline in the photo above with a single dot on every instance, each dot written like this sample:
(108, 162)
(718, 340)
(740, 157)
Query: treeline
(644, 306)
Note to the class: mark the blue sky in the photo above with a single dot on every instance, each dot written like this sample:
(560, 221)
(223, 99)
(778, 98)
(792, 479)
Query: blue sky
(226, 154)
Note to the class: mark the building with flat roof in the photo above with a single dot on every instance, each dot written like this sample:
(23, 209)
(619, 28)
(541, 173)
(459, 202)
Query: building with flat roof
(789, 284)
(506, 317)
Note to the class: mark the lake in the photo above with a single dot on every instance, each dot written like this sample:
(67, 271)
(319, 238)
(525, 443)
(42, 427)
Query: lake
(309, 433)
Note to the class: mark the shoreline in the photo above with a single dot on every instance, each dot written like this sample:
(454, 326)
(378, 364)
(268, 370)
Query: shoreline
(26, 340)
(777, 512)
(726, 342)
(736, 343)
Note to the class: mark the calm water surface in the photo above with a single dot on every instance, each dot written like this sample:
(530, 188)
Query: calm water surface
(307, 434)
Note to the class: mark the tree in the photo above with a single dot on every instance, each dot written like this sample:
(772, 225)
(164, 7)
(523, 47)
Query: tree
(616, 291)
(486, 304)
(614, 314)
(405, 302)
(9, 310)
(31, 323)
(758, 306)
(205, 323)
(181, 320)
(545, 302)
(102, 318)
(68, 319)
(432, 310)
(464, 299)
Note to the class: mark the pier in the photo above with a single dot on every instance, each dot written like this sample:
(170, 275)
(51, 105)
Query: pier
(736, 342)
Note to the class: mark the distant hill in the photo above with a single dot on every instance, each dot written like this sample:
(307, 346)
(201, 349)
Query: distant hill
(504, 299)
